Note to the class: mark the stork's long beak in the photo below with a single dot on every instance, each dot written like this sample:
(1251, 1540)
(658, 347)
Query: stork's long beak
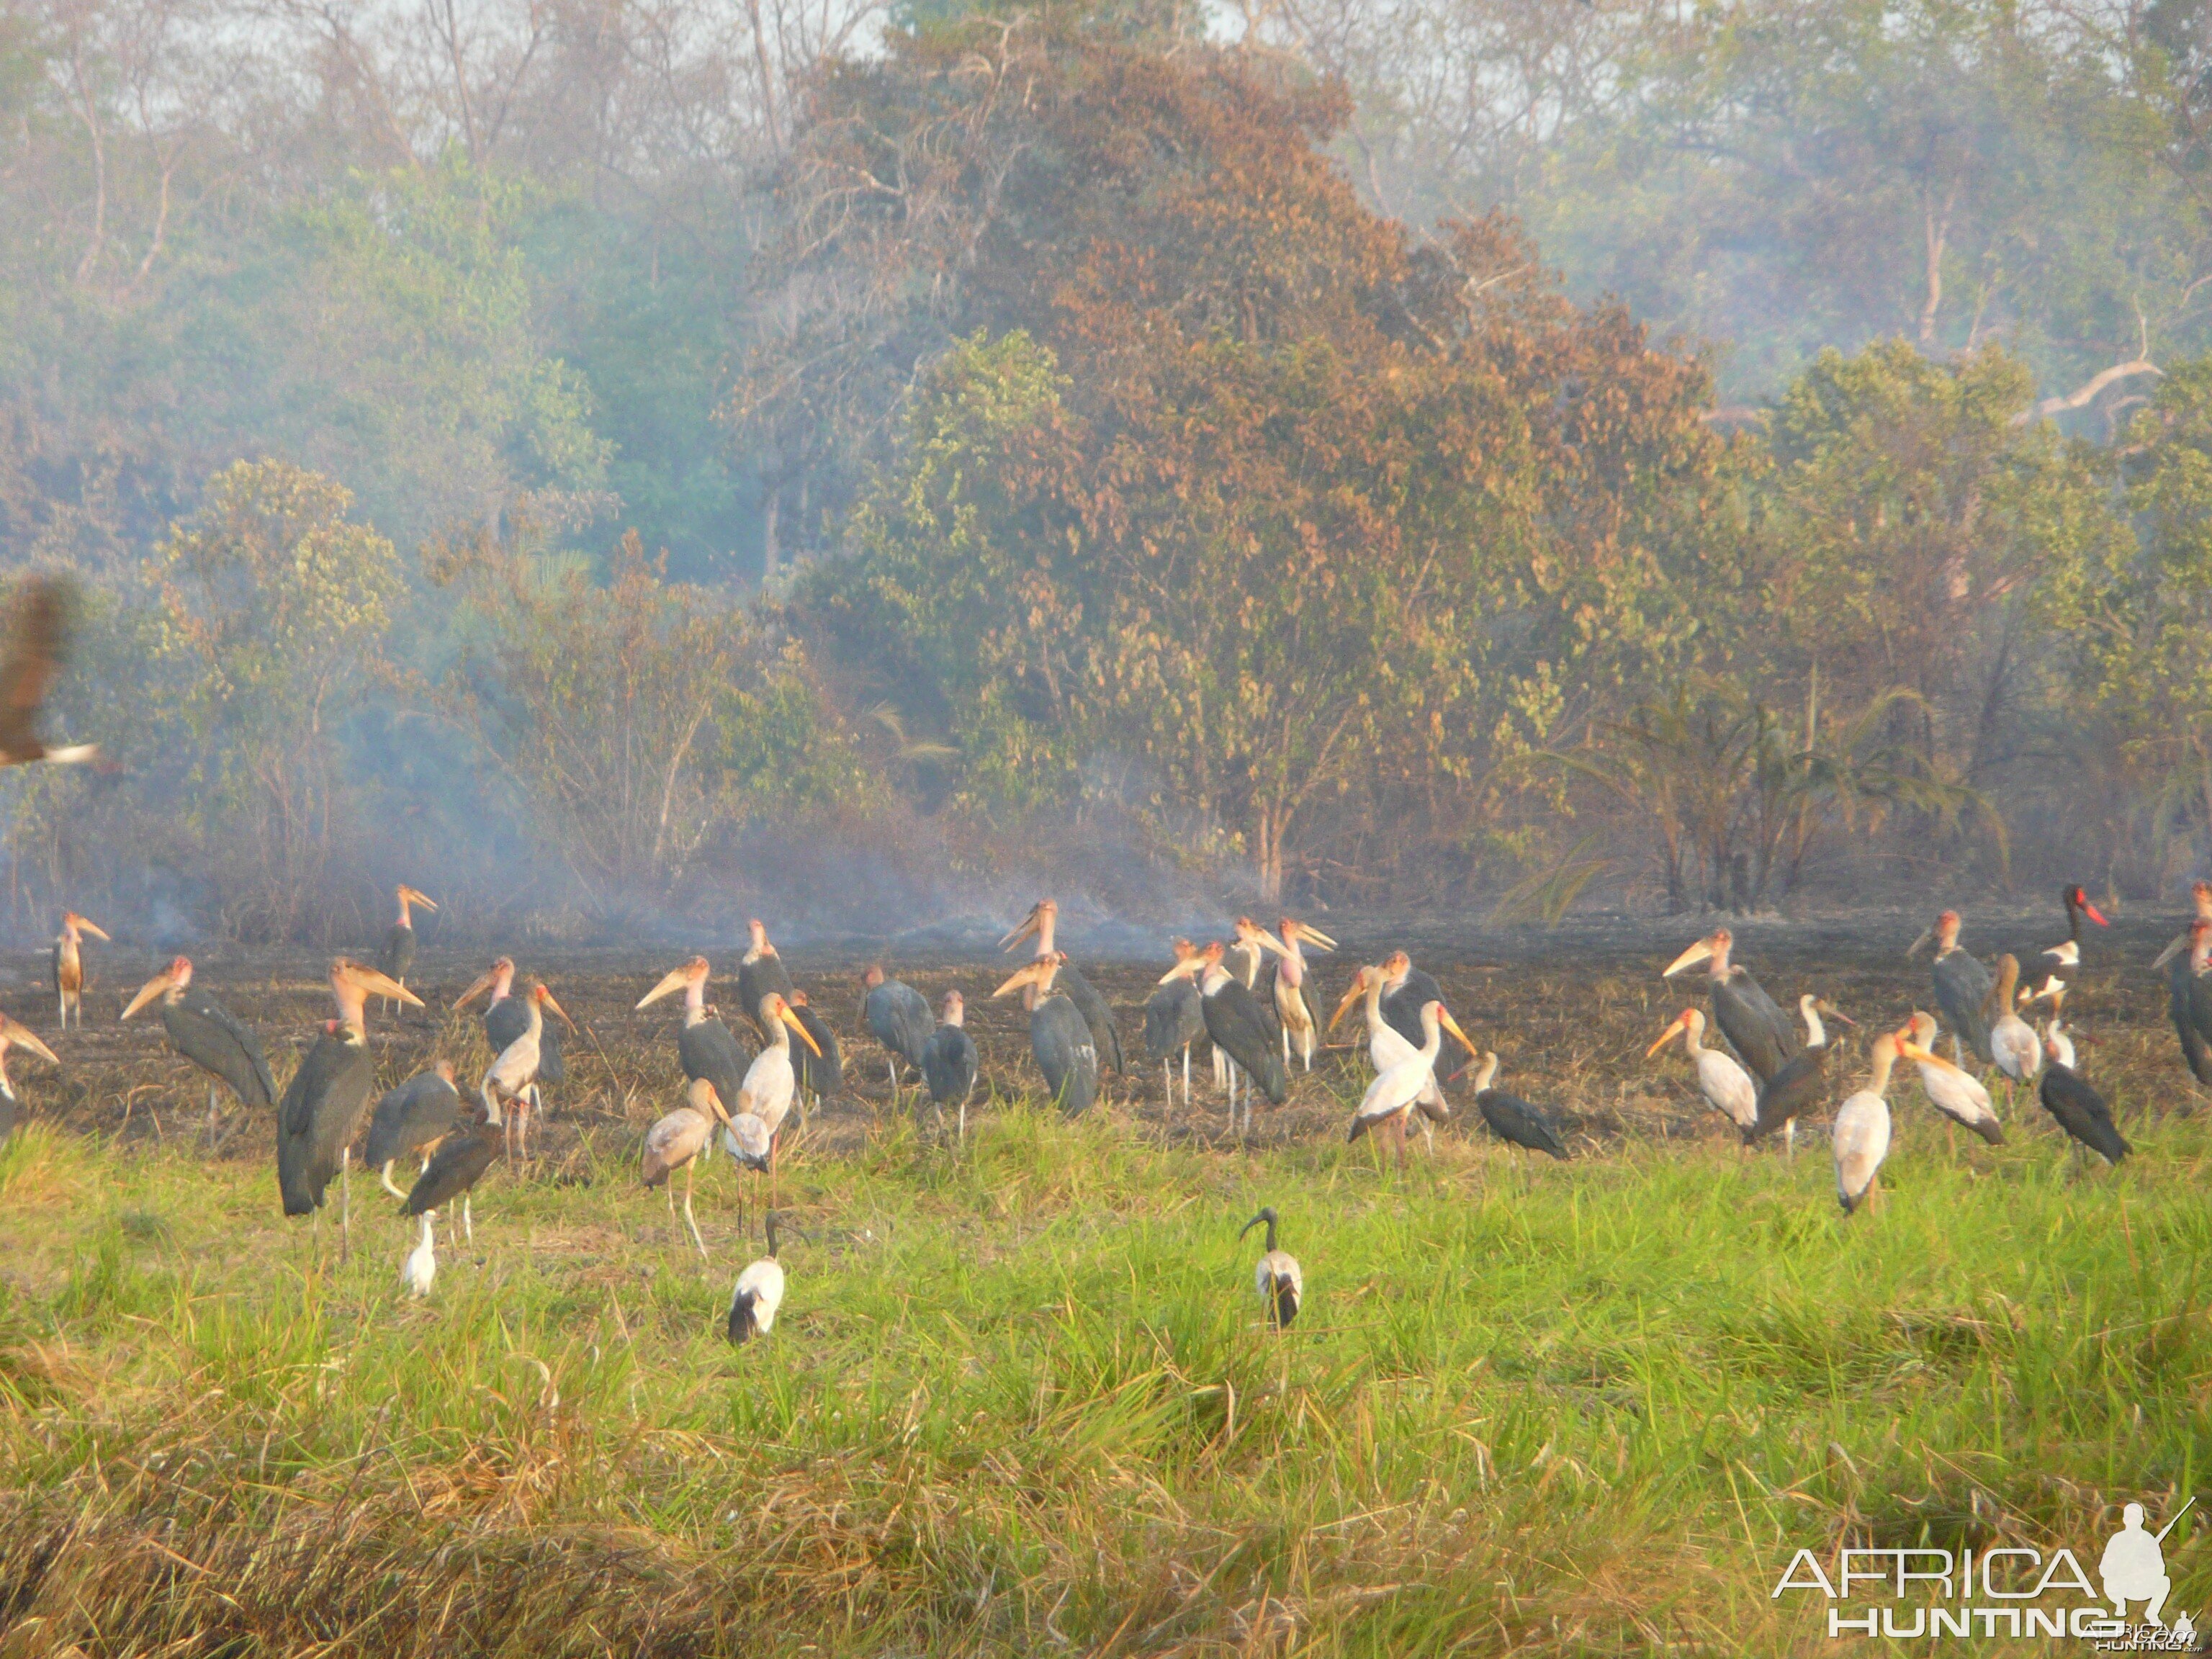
(714, 1100)
(1344, 1003)
(423, 899)
(373, 983)
(1701, 951)
(1445, 1019)
(2093, 913)
(1913, 1051)
(1920, 945)
(20, 1037)
(93, 929)
(789, 1018)
(1183, 969)
(1028, 925)
(1267, 941)
(157, 986)
(2180, 944)
(546, 997)
(1681, 1024)
(1307, 935)
(477, 987)
(1028, 975)
(1824, 1006)
(677, 980)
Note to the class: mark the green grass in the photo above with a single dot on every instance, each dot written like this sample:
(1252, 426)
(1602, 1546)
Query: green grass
(1022, 1402)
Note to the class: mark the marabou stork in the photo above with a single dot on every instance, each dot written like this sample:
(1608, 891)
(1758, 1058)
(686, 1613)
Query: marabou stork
(1059, 1036)
(41, 616)
(412, 1118)
(2013, 1043)
(1280, 1285)
(505, 1019)
(1951, 1089)
(209, 1035)
(2080, 1110)
(704, 1045)
(2189, 1001)
(1802, 1084)
(1238, 1028)
(1862, 1130)
(1296, 1006)
(948, 1061)
(514, 1075)
(1510, 1118)
(323, 1104)
(15, 1034)
(897, 1016)
(68, 965)
(1247, 952)
(674, 1142)
(1043, 921)
(818, 1065)
(1962, 988)
(1725, 1084)
(455, 1168)
(1174, 1017)
(1392, 1094)
(1755, 1028)
(760, 972)
(758, 1292)
(399, 943)
(2061, 963)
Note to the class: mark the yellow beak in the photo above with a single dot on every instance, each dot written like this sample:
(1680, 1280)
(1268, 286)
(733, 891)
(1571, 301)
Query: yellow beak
(1667, 1037)
(789, 1018)
(157, 986)
(677, 980)
(1701, 951)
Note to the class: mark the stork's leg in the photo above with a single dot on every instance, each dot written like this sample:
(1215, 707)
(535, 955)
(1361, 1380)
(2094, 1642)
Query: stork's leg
(963, 1113)
(1167, 1080)
(1790, 1139)
(212, 1117)
(345, 1205)
(689, 1219)
(384, 1174)
(1186, 1077)
(468, 1221)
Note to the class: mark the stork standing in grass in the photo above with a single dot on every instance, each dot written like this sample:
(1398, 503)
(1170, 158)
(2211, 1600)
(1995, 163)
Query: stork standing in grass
(1060, 1037)
(412, 1118)
(514, 1075)
(770, 1083)
(1511, 1119)
(1962, 987)
(2013, 1043)
(948, 1062)
(761, 971)
(1951, 1089)
(704, 1046)
(1386, 1047)
(1801, 1086)
(1392, 1094)
(1280, 1284)
(1296, 1005)
(15, 1034)
(2184, 964)
(505, 1018)
(68, 965)
(1755, 1026)
(1174, 1017)
(323, 1106)
(1862, 1130)
(1238, 1028)
(674, 1142)
(399, 943)
(2080, 1110)
(897, 1015)
(1726, 1086)
(1042, 924)
(455, 1168)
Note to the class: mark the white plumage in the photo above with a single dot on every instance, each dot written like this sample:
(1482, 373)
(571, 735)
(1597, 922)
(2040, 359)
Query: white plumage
(1726, 1086)
(1957, 1094)
(1277, 1279)
(757, 1294)
(1862, 1131)
(675, 1143)
(419, 1271)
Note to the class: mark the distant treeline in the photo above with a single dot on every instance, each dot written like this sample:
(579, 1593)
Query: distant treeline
(619, 472)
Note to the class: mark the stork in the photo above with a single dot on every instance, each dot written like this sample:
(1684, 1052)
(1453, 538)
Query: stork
(15, 1034)
(1800, 1084)
(1951, 1089)
(1755, 1028)
(760, 972)
(412, 1118)
(2012, 1041)
(323, 1106)
(1238, 1029)
(897, 1015)
(704, 1045)
(505, 1019)
(1042, 924)
(399, 943)
(1060, 1037)
(1512, 1119)
(1174, 1017)
(674, 1142)
(455, 1168)
(1962, 987)
(514, 1075)
(758, 1292)
(1294, 1003)
(1396, 1088)
(68, 965)
(1862, 1130)
(769, 1084)
(209, 1035)
(1386, 1047)
(1726, 1086)
(948, 1062)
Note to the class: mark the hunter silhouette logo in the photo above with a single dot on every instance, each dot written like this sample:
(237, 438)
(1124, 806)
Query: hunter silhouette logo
(2134, 1565)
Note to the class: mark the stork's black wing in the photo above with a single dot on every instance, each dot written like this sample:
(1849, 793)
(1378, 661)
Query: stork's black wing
(755, 979)
(1796, 1089)
(1105, 1036)
(455, 1168)
(948, 1064)
(709, 1050)
(1962, 985)
(1065, 1053)
(34, 657)
(822, 1074)
(1511, 1118)
(1174, 1017)
(319, 1117)
(2080, 1111)
(216, 1041)
(898, 1017)
(1233, 1021)
(410, 1117)
(398, 954)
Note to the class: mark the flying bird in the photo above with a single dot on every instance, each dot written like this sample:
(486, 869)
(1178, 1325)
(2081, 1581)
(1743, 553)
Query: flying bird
(35, 655)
